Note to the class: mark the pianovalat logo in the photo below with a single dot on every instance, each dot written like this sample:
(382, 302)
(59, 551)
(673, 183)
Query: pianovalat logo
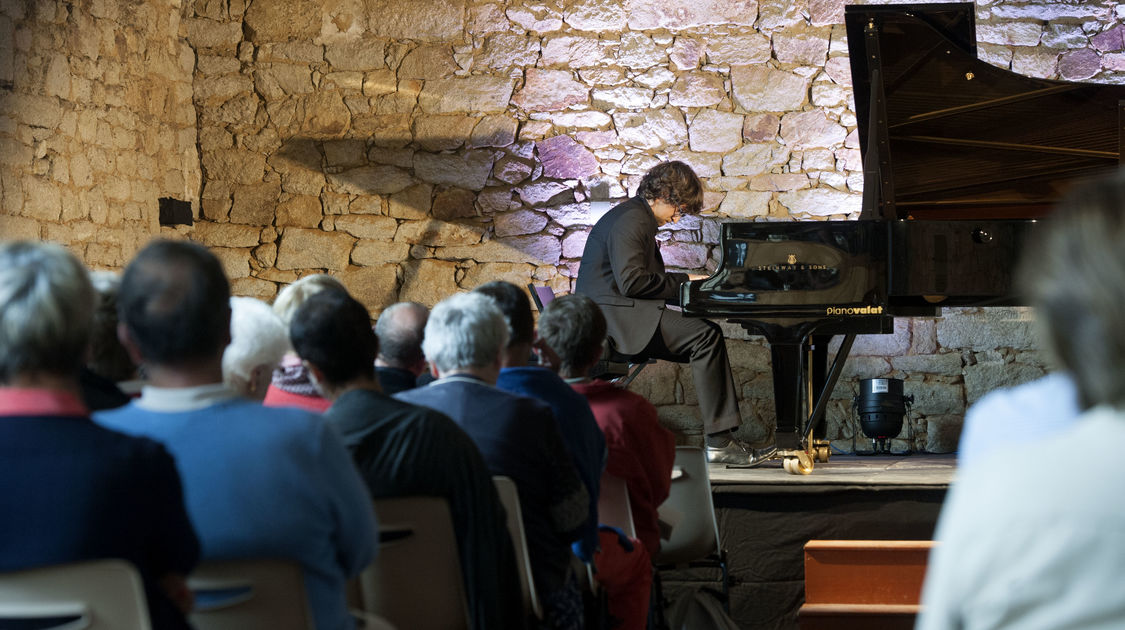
(854, 310)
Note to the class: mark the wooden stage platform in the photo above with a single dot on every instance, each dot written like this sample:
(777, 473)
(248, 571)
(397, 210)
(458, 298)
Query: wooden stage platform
(767, 515)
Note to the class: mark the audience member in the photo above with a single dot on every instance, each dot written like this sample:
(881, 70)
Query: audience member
(580, 432)
(1023, 543)
(72, 490)
(291, 386)
(107, 362)
(258, 340)
(1018, 415)
(404, 450)
(641, 451)
(258, 482)
(518, 437)
(400, 362)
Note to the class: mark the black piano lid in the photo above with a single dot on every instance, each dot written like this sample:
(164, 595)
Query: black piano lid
(957, 138)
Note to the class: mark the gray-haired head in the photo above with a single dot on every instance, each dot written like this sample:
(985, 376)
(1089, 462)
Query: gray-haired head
(1074, 273)
(465, 330)
(294, 295)
(46, 302)
(400, 330)
(574, 327)
(258, 340)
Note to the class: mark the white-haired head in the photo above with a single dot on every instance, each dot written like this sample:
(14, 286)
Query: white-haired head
(258, 340)
(293, 296)
(464, 331)
(46, 303)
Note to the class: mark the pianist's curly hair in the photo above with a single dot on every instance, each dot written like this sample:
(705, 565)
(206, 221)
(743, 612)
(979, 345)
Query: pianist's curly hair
(1074, 274)
(675, 183)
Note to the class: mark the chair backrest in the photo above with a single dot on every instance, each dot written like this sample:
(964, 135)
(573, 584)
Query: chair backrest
(95, 595)
(696, 534)
(614, 508)
(509, 495)
(250, 594)
(416, 580)
(541, 295)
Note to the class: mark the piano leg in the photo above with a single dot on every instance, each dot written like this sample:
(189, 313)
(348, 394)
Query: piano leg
(788, 362)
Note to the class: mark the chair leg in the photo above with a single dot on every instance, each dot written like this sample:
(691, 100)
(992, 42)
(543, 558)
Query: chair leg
(657, 605)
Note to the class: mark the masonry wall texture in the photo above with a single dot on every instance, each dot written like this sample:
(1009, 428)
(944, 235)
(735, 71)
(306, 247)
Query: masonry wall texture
(420, 147)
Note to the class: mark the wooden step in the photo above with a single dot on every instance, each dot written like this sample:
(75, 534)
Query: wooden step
(857, 616)
(863, 584)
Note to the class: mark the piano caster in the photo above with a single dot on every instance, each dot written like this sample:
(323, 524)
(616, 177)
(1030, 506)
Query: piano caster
(798, 462)
(821, 451)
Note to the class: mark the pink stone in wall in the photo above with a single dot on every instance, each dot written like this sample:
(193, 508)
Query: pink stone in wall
(550, 90)
(1112, 40)
(1076, 65)
(822, 12)
(563, 158)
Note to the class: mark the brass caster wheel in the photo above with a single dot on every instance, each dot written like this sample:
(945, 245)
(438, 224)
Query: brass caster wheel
(801, 464)
(823, 452)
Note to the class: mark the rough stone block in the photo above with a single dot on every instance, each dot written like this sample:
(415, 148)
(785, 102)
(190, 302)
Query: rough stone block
(17, 228)
(778, 182)
(468, 94)
(469, 171)
(313, 249)
(360, 55)
(941, 364)
(987, 329)
(512, 170)
(428, 281)
(518, 274)
(825, 12)
(943, 433)
(802, 44)
(206, 34)
(1035, 62)
(679, 15)
(652, 129)
(255, 204)
(543, 192)
(820, 202)
(326, 115)
(549, 90)
(420, 20)
(411, 203)
(518, 222)
(376, 287)
(989, 375)
(369, 253)
(595, 15)
(367, 226)
(571, 51)
(507, 50)
(739, 50)
(934, 397)
(1078, 65)
(372, 180)
(811, 129)
(428, 62)
(234, 165)
(763, 89)
(253, 287)
(563, 158)
(493, 131)
(574, 244)
(715, 131)
(442, 133)
(536, 19)
(225, 234)
(754, 159)
(438, 233)
(537, 249)
(236, 262)
(453, 203)
(744, 204)
(697, 89)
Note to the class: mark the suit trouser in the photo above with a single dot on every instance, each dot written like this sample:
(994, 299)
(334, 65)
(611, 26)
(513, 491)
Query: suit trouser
(699, 342)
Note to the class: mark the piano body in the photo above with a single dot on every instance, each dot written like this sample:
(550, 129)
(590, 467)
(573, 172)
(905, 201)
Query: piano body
(961, 161)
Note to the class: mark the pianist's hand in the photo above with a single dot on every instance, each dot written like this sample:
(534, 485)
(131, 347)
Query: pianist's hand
(697, 276)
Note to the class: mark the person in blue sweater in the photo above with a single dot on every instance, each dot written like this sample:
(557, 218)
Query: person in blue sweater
(258, 481)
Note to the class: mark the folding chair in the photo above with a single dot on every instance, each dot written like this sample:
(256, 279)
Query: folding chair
(416, 581)
(95, 595)
(509, 496)
(613, 505)
(250, 594)
(694, 539)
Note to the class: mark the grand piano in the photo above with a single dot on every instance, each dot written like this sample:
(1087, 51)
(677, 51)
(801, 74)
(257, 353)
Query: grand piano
(962, 161)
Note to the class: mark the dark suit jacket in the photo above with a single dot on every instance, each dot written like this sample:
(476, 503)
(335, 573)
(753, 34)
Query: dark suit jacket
(623, 272)
(519, 438)
(72, 490)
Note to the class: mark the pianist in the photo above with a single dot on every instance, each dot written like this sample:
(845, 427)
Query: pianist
(623, 272)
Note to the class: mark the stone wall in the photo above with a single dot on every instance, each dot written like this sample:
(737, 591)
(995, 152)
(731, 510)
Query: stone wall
(419, 147)
(96, 122)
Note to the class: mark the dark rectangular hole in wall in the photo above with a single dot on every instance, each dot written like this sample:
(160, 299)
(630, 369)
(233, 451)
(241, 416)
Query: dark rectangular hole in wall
(174, 211)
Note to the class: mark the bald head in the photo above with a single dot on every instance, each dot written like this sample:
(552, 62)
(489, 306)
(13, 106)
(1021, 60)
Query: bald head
(400, 330)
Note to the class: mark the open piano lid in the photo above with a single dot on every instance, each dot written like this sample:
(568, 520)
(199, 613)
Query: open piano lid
(945, 135)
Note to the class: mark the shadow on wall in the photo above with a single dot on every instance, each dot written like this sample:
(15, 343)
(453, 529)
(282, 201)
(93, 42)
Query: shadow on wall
(441, 214)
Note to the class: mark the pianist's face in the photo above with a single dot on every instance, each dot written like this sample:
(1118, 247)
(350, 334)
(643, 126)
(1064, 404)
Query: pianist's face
(664, 212)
